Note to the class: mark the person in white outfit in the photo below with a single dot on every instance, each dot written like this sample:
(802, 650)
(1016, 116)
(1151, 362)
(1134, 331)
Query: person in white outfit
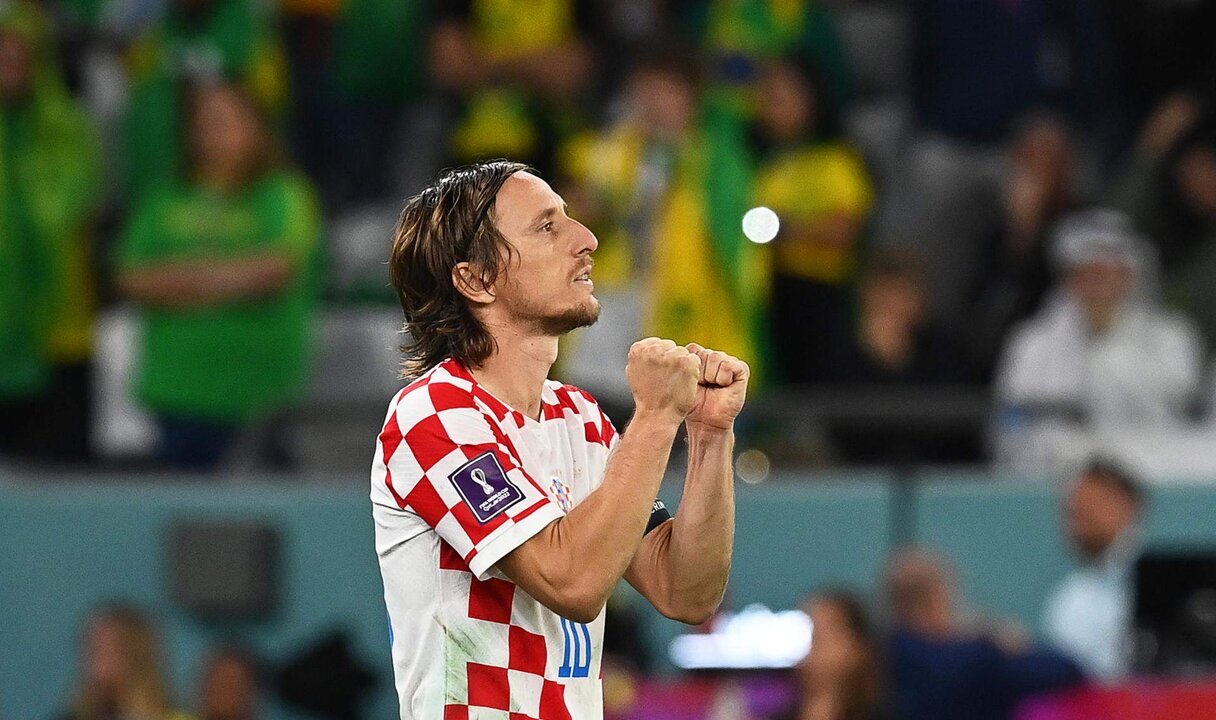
(1089, 614)
(1101, 357)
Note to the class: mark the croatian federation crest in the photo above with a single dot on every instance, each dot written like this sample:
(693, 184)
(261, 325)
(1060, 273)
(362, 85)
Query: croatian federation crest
(561, 493)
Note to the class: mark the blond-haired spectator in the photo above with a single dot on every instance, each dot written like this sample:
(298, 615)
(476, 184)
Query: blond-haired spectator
(122, 671)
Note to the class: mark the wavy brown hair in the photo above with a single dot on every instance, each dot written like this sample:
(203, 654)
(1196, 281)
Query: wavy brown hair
(448, 223)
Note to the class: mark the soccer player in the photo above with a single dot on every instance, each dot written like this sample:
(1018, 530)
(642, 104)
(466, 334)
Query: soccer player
(506, 506)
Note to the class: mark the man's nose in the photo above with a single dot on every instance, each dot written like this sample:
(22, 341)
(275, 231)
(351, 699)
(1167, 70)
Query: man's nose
(587, 242)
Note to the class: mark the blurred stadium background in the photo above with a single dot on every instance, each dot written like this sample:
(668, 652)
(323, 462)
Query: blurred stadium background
(983, 330)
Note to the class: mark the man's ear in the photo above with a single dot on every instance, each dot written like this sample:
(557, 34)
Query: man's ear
(471, 284)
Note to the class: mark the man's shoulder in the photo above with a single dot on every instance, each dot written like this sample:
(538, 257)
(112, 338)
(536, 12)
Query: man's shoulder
(437, 390)
(446, 377)
(1070, 596)
(1167, 325)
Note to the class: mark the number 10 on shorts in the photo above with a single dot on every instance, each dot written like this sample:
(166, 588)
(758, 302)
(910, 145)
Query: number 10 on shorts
(576, 659)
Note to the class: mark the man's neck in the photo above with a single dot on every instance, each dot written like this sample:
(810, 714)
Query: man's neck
(516, 372)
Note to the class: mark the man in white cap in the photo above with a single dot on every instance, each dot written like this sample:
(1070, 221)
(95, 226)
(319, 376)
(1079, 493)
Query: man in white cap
(1100, 357)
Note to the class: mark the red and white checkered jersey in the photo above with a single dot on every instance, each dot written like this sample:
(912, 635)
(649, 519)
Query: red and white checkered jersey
(460, 480)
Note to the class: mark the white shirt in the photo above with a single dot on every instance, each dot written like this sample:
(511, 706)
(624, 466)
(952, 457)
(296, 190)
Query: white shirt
(1089, 614)
(1142, 372)
(460, 480)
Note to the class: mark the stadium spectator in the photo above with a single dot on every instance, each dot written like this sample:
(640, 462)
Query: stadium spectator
(122, 673)
(941, 670)
(222, 266)
(1100, 357)
(1013, 273)
(842, 678)
(519, 71)
(817, 184)
(894, 341)
(1088, 616)
(665, 189)
(977, 70)
(229, 687)
(740, 37)
(1168, 186)
(627, 29)
(895, 347)
(50, 187)
(198, 40)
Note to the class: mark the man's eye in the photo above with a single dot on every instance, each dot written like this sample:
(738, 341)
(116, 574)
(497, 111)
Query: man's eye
(547, 227)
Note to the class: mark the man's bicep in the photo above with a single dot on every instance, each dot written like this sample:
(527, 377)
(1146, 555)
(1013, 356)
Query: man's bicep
(526, 564)
(540, 567)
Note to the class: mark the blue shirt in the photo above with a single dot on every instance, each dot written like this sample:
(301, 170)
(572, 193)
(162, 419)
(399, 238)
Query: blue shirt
(969, 678)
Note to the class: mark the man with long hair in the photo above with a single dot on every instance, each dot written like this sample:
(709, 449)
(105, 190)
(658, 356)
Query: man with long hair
(506, 506)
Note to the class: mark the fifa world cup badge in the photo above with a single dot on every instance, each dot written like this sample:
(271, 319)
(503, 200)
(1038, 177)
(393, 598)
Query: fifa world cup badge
(562, 494)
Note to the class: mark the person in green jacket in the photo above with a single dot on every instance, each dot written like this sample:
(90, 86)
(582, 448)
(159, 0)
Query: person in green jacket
(50, 186)
(197, 40)
(222, 265)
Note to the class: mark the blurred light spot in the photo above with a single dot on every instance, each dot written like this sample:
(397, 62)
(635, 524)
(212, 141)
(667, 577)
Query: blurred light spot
(752, 466)
(760, 225)
(754, 638)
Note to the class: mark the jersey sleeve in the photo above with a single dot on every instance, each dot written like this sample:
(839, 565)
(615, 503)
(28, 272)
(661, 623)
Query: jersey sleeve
(450, 464)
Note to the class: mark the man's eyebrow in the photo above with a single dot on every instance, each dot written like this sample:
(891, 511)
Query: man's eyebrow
(546, 214)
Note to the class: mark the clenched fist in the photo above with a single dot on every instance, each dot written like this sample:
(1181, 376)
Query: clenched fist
(663, 377)
(721, 389)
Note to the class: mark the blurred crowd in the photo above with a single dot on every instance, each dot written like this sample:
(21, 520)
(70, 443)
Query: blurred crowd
(939, 660)
(1014, 196)
(920, 651)
(122, 675)
(916, 651)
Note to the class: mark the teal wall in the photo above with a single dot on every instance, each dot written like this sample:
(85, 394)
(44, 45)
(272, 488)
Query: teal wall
(69, 546)
(1005, 535)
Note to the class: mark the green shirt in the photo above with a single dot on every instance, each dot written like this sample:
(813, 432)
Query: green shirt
(242, 359)
(23, 271)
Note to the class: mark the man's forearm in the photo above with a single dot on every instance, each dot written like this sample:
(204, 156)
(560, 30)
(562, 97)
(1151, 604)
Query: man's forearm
(703, 531)
(582, 556)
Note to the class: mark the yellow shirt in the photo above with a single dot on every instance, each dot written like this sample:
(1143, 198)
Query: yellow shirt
(806, 186)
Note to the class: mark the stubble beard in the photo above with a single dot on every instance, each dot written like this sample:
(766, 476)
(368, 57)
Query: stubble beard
(570, 319)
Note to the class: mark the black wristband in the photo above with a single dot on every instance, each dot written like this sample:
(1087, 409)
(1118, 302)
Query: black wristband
(658, 516)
